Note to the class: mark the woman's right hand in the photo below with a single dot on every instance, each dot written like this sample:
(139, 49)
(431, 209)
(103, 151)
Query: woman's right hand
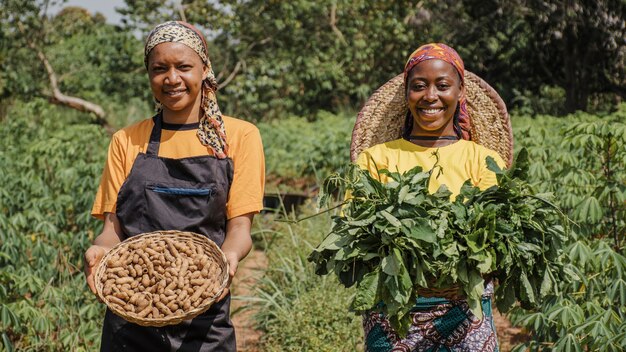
(93, 256)
(110, 236)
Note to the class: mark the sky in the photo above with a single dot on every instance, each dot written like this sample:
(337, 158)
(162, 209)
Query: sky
(105, 7)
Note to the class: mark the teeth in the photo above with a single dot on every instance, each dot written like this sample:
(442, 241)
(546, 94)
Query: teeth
(431, 111)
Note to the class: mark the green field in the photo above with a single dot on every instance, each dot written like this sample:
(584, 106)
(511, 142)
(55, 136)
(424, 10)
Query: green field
(52, 162)
(300, 70)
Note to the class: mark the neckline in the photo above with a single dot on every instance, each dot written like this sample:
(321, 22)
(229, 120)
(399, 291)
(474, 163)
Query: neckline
(433, 138)
(177, 126)
(422, 147)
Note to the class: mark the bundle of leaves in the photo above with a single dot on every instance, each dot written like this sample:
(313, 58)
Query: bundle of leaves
(395, 237)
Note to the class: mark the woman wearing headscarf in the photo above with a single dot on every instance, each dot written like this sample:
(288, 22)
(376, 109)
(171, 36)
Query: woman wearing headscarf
(436, 131)
(188, 168)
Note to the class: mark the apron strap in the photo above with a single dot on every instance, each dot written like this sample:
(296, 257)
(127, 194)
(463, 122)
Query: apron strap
(155, 136)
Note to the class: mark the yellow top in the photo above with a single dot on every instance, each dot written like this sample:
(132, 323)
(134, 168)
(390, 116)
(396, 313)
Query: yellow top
(245, 149)
(459, 161)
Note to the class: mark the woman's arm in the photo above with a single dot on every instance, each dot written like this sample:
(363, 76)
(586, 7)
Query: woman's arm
(110, 236)
(237, 244)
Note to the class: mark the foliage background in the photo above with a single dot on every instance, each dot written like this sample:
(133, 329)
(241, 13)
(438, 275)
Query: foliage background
(300, 70)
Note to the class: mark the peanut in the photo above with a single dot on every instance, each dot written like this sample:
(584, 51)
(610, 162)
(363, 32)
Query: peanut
(160, 277)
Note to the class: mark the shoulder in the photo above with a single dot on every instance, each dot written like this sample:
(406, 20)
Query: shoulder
(243, 137)
(237, 127)
(381, 153)
(140, 129)
(382, 148)
(482, 152)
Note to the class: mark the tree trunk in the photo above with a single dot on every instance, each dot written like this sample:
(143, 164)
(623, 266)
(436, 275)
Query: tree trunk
(576, 73)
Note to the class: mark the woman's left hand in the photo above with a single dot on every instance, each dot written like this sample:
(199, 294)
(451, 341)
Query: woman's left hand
(233, 262)
(236, 246)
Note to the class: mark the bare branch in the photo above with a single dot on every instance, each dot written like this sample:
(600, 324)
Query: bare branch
(61, 99)
(230, 77)
(241, 63)
(333, 23)
(181, 10)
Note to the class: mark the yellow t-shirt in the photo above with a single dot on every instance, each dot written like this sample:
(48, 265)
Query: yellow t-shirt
(245, 149)
(460, 161)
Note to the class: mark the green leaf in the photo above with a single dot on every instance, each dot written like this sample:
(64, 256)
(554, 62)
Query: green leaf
(492, 165)
(546, 283)
(392, 219)
(366, 292)
(476, 286)
(330, 242)
(423, 232)
(404, 191)
(589, 210)
(568, 343)
(392, 263)
(617, 292)
(6, 342)
(527, 290)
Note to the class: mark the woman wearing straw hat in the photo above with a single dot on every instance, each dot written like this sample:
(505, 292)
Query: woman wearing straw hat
(435, 113)
(188, 168)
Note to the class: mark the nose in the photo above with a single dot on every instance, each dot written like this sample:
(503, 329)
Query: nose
(431, 93)
(172, 76)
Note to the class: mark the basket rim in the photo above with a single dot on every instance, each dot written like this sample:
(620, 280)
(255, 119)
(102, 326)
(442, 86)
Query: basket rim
(174, 235)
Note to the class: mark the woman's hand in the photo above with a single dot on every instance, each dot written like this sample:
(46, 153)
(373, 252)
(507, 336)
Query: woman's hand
(93, 256)
(233, 262)
(110, 236)
(236, 246)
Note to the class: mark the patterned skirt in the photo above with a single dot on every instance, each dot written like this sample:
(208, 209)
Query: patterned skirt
(437, 325)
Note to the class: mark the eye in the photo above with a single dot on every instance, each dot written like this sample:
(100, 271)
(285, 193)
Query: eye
(158, 69)
(443, 86)
(418, 86)
(185, 67)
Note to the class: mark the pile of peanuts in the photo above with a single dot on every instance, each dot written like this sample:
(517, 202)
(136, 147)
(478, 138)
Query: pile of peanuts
(157, 278)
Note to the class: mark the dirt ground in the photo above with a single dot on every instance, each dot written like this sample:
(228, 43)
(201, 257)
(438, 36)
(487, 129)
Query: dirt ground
(250, 269)
(508, 335)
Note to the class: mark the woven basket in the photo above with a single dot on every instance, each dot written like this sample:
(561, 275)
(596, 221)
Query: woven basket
(382, 117)
(452, 293)
(215, 282)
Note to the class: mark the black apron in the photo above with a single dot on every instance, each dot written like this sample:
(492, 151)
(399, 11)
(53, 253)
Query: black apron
(186, 194)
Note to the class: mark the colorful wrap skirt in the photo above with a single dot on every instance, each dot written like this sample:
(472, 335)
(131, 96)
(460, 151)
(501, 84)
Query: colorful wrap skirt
(437, 325)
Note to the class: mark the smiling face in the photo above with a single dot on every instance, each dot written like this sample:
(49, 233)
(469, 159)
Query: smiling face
(176, 73)
(433, 92)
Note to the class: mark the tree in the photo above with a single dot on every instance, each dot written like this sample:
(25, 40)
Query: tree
(524, 45)
(73, 54)
(581, 46)
(284, 57)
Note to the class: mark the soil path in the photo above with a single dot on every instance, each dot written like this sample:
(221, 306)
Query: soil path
(508, 335)
(249, 271)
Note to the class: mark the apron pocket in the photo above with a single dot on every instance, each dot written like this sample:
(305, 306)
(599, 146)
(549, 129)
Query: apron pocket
(182, 191)
(172, 207)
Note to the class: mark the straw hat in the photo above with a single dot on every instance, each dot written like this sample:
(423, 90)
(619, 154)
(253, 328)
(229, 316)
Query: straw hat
(382, 117)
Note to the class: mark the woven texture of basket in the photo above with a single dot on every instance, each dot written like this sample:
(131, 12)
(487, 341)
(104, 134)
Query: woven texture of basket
(451, 293)
(382, 117)
(162, 278)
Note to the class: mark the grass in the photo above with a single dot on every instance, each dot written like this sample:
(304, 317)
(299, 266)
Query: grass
(300, 311)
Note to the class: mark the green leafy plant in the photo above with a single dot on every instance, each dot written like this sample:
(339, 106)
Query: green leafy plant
(394, 237)
(50, 166)
(586, 171)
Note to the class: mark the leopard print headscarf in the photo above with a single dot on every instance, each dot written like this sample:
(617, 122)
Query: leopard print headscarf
(211, 130)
